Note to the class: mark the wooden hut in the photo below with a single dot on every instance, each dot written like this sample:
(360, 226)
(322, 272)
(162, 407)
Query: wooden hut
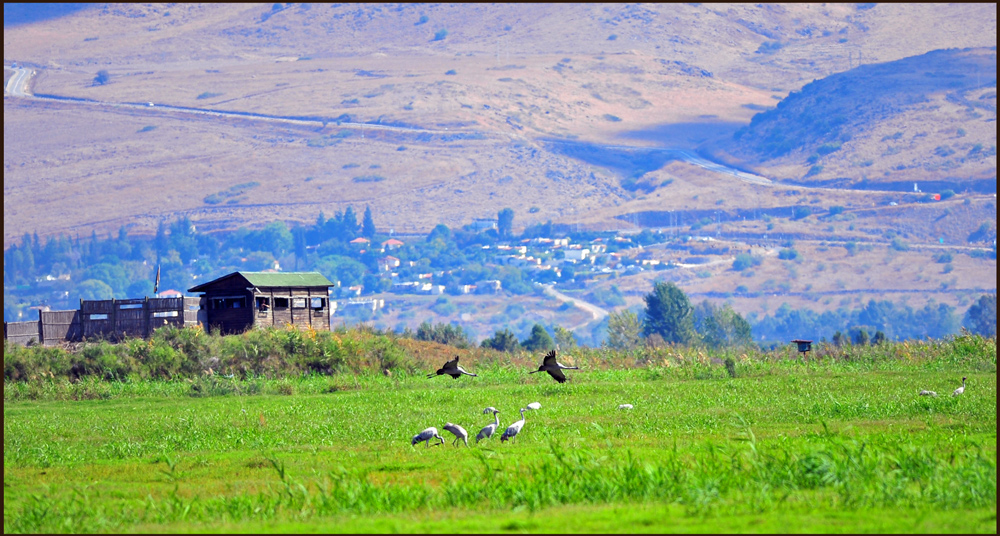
(243, 300)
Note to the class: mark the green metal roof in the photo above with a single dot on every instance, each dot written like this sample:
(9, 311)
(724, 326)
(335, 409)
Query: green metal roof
(274, 279)
(287, 279)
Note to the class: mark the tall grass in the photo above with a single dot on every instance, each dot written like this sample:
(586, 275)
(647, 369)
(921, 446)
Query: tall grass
(209, 362)
(832, 473)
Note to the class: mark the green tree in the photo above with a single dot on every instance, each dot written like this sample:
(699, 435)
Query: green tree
(113, 275)
(346, 270)
(449, 334)
(981, 318)
(624, 330)
(540, 340)
(721, 327)
(275, 238)
(505, 223)
(879, 338)
(565, 339)
(860, 337)
(349, 224)
(368, 224)
(669, 313)
(92, 289)
(503, 340)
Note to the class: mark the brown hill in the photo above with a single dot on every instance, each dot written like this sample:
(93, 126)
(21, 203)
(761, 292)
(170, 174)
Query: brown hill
(504, 76)
(928, 118)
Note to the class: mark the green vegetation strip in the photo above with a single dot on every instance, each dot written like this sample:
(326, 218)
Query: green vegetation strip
(827, 445)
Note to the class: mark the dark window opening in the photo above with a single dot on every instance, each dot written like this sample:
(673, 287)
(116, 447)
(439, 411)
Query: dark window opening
(263, 303)
(281, 303)
(228, 303)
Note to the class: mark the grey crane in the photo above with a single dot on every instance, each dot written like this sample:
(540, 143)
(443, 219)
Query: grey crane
(925, 392)
(960, 390)
(489, 410)
(452, 369)
(489, 429)
(426, 437)
(513, 429)
(459, 432)
(553, 367)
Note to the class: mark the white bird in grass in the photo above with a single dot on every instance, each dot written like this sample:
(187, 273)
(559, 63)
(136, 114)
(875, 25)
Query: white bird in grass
(459, 432)
(534, 405)
(513, 429)
(553, 367)
(625, 406)
(426, 437)
(452, 369)
(960, 390)
(925, 392)
(489, 429)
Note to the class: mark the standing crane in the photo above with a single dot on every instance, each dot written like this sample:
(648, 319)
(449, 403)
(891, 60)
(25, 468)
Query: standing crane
(426, 436)
(513, 429)
(553, 367)
(452, 369)
(960, 390)
(459, 432)
(489, 429)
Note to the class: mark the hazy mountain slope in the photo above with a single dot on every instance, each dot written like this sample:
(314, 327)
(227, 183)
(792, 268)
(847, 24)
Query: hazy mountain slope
(925, 118)
(507, 74)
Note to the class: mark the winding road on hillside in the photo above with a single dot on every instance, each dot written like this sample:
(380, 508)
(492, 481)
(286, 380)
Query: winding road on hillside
(17, 86)
(597, 312)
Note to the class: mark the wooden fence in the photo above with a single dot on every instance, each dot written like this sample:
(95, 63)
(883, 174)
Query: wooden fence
(21, 332)
(106, 319)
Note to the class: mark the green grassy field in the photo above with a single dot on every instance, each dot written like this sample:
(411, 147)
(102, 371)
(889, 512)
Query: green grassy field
(785, 446)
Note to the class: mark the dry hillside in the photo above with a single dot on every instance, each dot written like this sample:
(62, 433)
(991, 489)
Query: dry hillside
(505, 77)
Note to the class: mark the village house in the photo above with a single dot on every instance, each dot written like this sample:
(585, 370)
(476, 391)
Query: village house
(387, 263)
(392, 244)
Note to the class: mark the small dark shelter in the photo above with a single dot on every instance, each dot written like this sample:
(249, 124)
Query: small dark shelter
(804, 346)
(241, 300)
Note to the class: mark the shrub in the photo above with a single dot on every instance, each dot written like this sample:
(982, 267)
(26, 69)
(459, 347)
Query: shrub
(789, 254)
(612, 37)
(746, 260)
(828, 148)
(103, 77)
(440, 35)
(451, 72)
(769, 47)
(899, 245)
